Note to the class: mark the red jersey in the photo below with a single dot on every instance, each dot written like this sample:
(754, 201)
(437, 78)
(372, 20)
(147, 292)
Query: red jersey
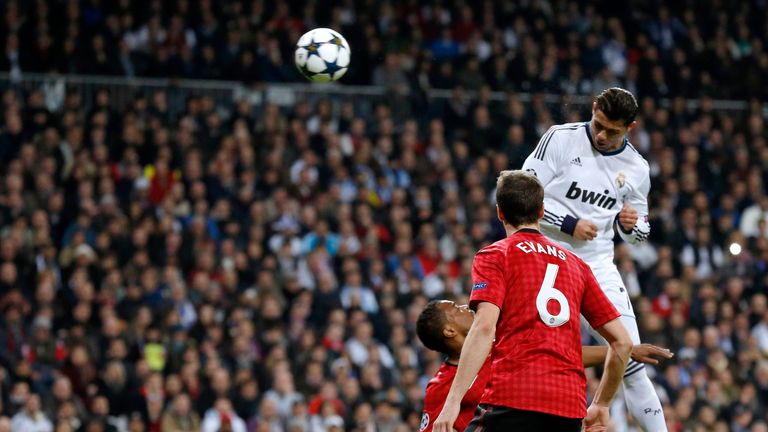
(540, 289)
(437, 392)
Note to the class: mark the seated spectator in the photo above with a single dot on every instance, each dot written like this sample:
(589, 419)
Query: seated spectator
(180, 416)
(31, 417)
(704, 256)
(751, 217)
(760, 333)
(222, 417)
(282, 393)
(362, 342)
(355, 294)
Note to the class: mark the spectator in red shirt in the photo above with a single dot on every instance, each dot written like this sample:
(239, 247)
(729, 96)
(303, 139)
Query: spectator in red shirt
(328, 393)
(670, 299)
(533, 292)
(162, 181)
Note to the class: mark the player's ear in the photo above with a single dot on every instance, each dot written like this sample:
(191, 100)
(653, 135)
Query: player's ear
(594, 106)
(632, 125)
(541, 212)
(499, 214)
(449, 332)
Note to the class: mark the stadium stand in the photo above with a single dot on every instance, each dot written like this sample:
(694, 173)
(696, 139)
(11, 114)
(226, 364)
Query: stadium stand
(179, 263)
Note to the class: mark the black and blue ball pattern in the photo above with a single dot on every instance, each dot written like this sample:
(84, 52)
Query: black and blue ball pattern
(322, 55)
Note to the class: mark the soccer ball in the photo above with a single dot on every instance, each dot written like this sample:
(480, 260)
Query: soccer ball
(322, 55)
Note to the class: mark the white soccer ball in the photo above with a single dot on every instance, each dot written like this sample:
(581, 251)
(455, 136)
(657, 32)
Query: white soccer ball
(322, 55)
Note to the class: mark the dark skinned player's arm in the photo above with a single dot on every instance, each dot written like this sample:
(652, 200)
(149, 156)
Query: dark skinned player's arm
(644, 353)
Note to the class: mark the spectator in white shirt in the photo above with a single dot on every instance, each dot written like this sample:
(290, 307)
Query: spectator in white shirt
(222, 414)
(31, 418)
(355, 294)
(360, 345)
(760, 334)
(283, 392)
(750, 219)
(706, 257)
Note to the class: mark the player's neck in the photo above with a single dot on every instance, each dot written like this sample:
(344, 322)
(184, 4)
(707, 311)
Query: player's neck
(454, 346)
(513, 229)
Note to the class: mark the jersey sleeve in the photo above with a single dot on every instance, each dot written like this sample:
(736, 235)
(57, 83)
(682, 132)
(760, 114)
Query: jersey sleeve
(434, 400)
(488, 277)
(638, 199)
(545, 163)
(557, 215)
(596, 308)
(431, 410)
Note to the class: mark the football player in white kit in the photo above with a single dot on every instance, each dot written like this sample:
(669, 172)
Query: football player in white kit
(594, 180)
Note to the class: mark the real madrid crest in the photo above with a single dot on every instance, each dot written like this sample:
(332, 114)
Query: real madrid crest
(621, 179)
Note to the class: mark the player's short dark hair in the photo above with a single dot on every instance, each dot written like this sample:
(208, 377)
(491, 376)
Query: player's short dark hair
(618, 104)
(429, 327)
(520, 197)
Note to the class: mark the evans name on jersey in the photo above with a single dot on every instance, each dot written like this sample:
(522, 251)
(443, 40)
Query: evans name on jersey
(530, 246)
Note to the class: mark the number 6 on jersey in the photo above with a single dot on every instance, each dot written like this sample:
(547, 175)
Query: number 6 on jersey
(548, 292)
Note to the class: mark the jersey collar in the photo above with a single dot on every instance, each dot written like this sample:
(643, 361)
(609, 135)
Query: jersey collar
(624, 144)
(527, 230)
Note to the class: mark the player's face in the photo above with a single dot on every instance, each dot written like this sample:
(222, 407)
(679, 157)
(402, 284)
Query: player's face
(607, 134)
(460, 317)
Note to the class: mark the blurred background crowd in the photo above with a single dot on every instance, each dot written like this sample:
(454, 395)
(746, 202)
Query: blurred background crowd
(184, 265)
(655, 49)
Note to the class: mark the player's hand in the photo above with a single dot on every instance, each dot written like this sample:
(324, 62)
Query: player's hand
(585, 230)
(446, 419)
(597, 419)
(627, 217)
(647, 353)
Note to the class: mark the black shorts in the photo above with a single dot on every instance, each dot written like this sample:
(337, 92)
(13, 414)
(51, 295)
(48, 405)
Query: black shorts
(490, 418)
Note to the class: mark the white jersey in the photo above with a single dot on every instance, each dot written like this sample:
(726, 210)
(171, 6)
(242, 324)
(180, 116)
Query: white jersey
(581, 182)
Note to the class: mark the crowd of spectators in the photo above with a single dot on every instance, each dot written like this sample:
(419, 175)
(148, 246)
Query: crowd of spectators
(239, 267)
(657, 49)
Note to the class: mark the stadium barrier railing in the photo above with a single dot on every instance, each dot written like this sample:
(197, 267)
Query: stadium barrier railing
(123, 91)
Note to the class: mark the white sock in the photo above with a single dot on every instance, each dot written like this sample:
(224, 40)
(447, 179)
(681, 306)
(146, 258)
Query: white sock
(619, 413)
(639, 394)
(642, 400)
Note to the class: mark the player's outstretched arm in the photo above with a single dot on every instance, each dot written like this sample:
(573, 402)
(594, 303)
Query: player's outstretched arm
(619, 351)
(650, 354)
(474, 353)
(593, 355)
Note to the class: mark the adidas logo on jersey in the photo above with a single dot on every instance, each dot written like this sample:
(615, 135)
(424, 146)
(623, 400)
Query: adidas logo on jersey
(587, 196)
(576, 161)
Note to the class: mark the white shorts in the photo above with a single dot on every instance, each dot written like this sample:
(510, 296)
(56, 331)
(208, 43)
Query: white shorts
(629, 323)
(610, 281)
